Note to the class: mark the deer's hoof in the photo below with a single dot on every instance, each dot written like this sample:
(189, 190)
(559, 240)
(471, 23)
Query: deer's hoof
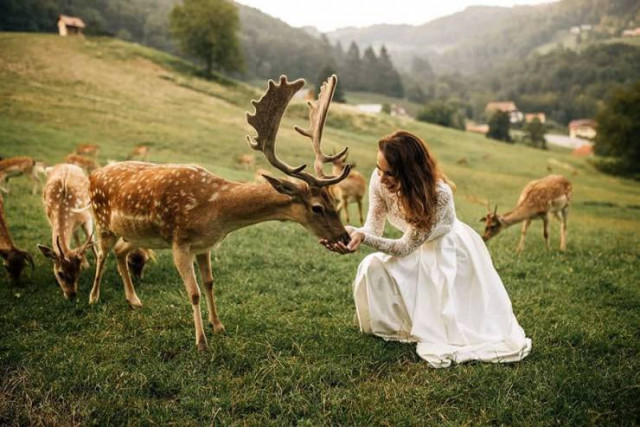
(135, 302)
(93, 298)
(218, 328)
(202, 345)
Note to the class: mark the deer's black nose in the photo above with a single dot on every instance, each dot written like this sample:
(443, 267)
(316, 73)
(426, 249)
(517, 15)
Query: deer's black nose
(344, 238)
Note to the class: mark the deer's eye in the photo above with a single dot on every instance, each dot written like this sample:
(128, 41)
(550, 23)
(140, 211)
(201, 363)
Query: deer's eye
(317, 209)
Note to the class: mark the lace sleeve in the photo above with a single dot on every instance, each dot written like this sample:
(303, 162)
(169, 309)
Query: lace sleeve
(412, 237)
(377, 213)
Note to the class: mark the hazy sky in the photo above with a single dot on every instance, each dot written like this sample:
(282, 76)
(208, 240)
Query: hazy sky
(327, 15)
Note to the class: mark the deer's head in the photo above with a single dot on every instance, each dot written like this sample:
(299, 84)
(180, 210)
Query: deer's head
(314, 207)
(15, 260)
(493, 223)
(67, 266)
(137, 260)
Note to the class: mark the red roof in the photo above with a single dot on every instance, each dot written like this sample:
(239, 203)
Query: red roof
(583, 150)
(71, 21)
(506, 106)
(582, 123)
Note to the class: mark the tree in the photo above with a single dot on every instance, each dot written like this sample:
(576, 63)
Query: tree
(352, 66)
(207, 29)
(619, 129)
(499, 126)
(442, 113)
(535, 131)
(389, 82)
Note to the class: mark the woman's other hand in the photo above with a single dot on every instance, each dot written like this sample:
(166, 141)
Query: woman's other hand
(356, 240)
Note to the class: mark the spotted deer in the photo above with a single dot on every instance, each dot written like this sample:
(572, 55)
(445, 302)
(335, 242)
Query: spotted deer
(140, 153)
(350, 190)
(190, 210)
(65, 193)
(247, 161)
(87, 150)
(15, 259)
(549, 195)
(86, 163)
(22, 165)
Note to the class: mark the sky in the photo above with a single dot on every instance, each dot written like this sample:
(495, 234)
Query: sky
(328, 15)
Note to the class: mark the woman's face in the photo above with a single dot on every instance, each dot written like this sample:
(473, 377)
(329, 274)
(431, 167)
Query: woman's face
(387, 176)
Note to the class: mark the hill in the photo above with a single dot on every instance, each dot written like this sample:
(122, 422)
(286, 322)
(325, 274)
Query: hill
(291, 354)
(480, 38)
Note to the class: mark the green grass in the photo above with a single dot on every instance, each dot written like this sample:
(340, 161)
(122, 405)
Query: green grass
(292, 354)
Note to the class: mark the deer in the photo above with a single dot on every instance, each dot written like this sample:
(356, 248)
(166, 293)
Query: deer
(247, 161)
(21, 165)
(14, 258)
(87, 150)
(137, 259)
(189, 210)
(86, 163)
(65, 194)
(549, 195)
(140, 152)
(350, 190)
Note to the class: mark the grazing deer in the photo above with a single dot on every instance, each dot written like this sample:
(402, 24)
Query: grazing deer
(137, 259)
(86, 163)
(350, 190)
(87, 150)
(22, 165)
(14, 258)
(247, 161)
(65, 192)
(539, 198)
(190, 210)
(140, 153)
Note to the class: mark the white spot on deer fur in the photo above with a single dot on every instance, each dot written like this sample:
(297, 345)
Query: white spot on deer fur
(214, 196)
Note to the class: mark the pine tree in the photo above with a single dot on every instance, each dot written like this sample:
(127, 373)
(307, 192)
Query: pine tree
(352, 66)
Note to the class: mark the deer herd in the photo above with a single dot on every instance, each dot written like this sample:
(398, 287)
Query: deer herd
(133, 207)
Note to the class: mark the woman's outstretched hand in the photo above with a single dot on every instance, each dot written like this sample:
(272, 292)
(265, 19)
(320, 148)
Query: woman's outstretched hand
(339, 247)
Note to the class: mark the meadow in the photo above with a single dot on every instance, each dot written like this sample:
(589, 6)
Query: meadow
(292, 353)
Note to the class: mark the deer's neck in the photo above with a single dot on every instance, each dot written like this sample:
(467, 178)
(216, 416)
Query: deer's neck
(519, 214)
(248, 204)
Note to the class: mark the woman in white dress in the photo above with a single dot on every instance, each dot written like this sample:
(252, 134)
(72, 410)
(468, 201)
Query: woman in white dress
(436, 285)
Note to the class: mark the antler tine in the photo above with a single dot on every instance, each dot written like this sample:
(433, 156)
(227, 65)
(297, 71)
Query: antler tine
(318, 111)
(266, 120)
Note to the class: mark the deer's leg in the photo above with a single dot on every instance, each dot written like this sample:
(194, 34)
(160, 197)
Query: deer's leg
(545, 229)
(184, 263)
(344, 203)
(359, 201)
(563, 229)
(4, 186)
(523, 234)
(106, 242)
(204, 263)
(121, 250)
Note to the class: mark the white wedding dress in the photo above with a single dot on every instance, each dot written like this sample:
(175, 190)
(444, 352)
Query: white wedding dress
(438, 289)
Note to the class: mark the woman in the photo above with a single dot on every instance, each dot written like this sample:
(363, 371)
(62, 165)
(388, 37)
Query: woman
(436, 285)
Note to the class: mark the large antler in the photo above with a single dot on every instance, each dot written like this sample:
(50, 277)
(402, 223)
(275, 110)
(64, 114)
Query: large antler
(318, 111)
(266, 121)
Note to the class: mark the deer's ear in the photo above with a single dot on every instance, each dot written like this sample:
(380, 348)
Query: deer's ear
(483, 219)
(48, 252)
(284, 187)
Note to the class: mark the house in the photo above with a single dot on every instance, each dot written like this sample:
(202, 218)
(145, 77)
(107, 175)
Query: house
(398, 110)
(631, 33)
(515, 116)
(583, 150)
(70, 25)
(528, 118)
(583, 128)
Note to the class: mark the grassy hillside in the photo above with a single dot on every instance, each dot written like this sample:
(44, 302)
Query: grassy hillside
(292, 354)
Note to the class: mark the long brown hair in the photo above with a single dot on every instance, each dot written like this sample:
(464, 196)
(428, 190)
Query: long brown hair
(417, 172)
